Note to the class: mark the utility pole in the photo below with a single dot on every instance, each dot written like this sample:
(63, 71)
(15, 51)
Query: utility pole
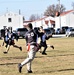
(73, 5)
(59, 15)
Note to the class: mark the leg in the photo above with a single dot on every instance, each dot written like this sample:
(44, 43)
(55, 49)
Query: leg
(6, 42)
(29, 67)
(28, 60)
(41, 45)
(40, 50)
(17, 47)
(45, 47)
(3, 43)
(44, 51)
(13, 44)
(7, 49)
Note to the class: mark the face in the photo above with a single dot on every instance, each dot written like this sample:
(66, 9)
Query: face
(10, 30)
(40, 28)
(27, 27)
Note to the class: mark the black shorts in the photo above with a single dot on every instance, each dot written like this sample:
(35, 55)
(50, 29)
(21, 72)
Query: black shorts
(43, 44)
(7, 42)
(11, 42)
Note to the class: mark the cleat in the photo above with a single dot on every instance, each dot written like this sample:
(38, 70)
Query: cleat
(19, 67)
(44, 53)
(30, 71)
(5, 52)
(20, 48)
(52, 47)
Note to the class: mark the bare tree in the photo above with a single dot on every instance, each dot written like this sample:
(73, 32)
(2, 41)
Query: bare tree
(34, 17)
(52, 9)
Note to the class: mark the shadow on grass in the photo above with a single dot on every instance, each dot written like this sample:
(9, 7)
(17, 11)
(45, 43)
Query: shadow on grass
(61, 70)
(42, 56)
(8, 63)
(54, 55)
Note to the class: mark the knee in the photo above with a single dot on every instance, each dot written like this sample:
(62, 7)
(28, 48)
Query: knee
(31, 58)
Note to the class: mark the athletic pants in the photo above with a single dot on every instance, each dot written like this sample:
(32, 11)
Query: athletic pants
(29, 59)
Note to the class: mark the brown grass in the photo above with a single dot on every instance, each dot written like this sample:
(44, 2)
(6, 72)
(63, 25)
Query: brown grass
(59, 61)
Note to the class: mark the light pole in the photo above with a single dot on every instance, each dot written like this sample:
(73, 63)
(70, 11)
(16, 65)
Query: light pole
(59, 5)
(59, 15)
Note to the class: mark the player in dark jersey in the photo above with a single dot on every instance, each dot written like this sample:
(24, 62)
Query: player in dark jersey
(32, 48)
(43, 38)
(9, 40)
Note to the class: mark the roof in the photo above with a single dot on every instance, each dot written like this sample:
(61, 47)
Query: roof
(47, 18)
(27, 21)
(66, 12)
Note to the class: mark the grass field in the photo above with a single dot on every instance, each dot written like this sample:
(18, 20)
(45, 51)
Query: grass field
(59, 61)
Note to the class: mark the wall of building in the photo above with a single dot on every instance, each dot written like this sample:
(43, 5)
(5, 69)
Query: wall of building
(71, 19)
(11, 20)
(41, 22)
(57, 23)
(65, 20)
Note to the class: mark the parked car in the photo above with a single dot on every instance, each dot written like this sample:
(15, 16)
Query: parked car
(64, 29)
(70, 32)
(0, 34)
(58, 31)
(21, 32)
(61, 30)
(52, 30)
(48, 31)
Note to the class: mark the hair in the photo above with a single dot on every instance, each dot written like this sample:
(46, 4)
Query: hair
(10, 28)
(41, 27)
(30, 26)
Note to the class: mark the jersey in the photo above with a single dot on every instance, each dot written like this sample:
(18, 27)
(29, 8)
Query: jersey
(31, 37)
(6, 37)
(42, 36)
(11, 36)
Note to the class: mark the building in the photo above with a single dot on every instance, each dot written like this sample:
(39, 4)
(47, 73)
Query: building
(45, 22)
(65, 19)
(11, 19)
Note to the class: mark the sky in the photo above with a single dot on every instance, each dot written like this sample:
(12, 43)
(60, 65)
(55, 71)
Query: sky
(29, 7)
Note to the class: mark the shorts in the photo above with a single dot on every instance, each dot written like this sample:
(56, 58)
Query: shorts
(43, 44)
(11, 42)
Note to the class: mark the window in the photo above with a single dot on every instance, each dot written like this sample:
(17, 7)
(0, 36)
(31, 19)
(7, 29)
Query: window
(9, 20)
